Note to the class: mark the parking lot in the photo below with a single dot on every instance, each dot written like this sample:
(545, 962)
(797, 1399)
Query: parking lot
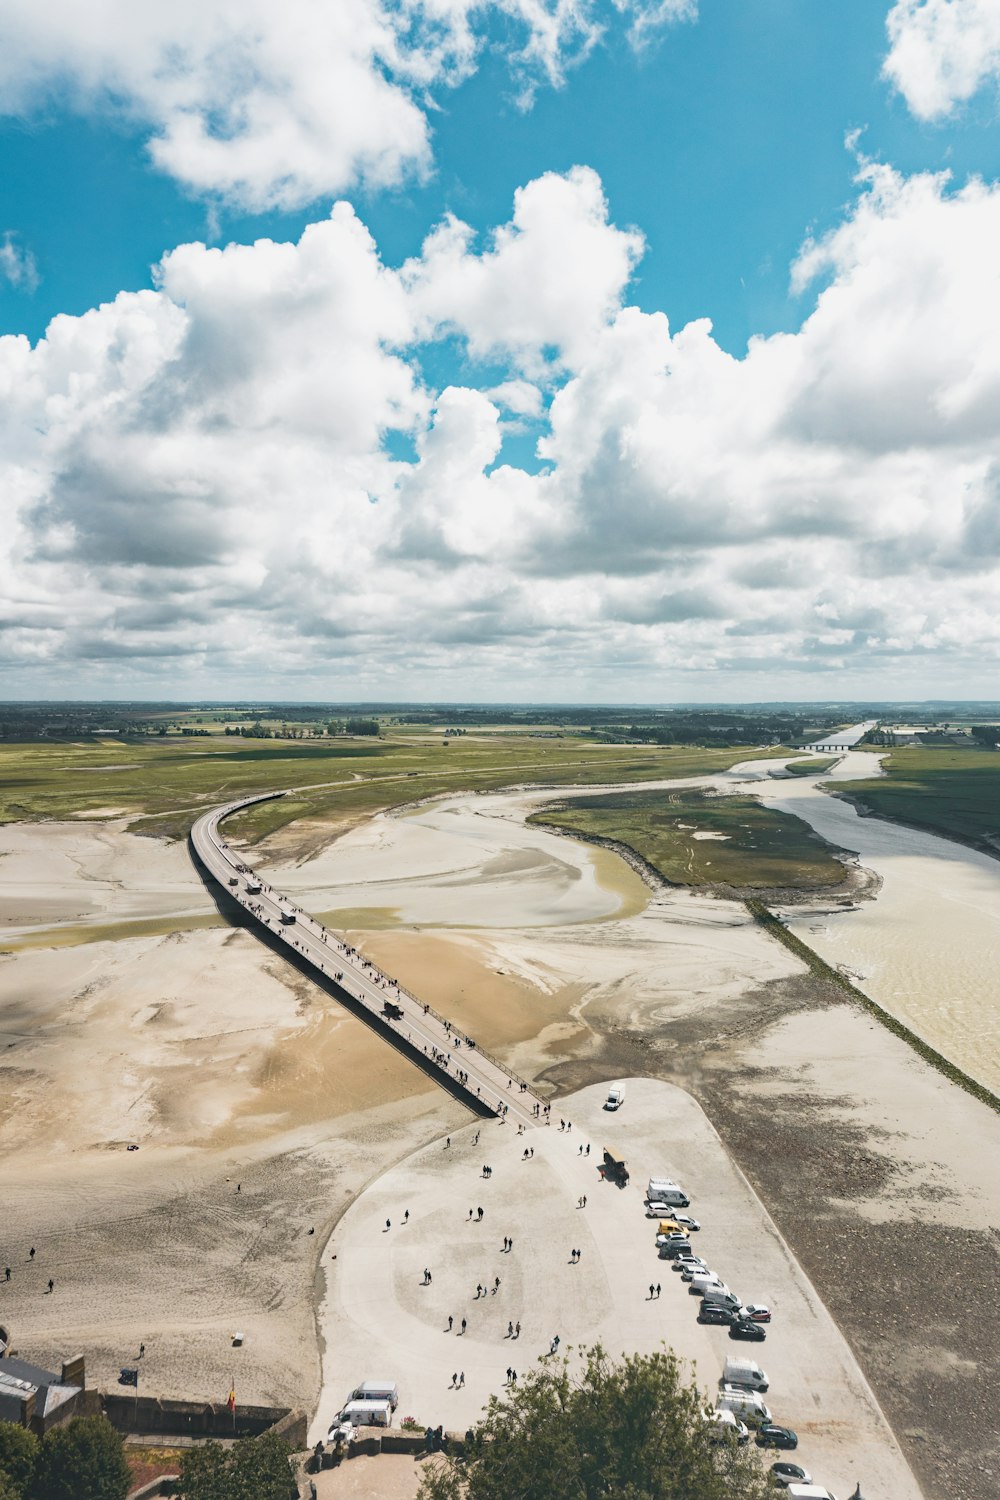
(381, 1318)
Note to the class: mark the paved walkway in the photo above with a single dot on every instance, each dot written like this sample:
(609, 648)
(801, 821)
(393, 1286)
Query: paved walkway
(484, 1081)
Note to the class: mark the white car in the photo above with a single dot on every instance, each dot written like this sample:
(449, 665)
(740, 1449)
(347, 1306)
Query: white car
(656, 1210)
(692, 1268)
(686, 1221)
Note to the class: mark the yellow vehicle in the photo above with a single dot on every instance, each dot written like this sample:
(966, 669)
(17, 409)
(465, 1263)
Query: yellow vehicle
(671, 1226)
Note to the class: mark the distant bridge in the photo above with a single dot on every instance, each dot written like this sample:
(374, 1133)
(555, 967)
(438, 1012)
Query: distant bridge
(455, 1060)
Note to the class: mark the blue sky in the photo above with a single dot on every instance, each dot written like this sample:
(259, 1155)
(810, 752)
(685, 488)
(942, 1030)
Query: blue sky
(721, 142)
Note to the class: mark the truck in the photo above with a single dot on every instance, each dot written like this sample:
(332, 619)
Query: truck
(616, 1096)
(746, 1372)
(615, 1169)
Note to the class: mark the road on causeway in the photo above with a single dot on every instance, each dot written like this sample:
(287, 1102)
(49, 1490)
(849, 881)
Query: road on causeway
(446, 1053)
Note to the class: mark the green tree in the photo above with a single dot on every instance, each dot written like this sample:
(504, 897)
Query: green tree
(85, 1460)
(7, 1489)
(253, 1469)
(18, 1457)
(630, 1429)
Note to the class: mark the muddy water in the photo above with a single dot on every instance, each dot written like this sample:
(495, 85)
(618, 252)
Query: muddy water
(928, 947)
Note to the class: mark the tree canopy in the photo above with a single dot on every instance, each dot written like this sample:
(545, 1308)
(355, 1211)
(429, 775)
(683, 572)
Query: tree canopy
(85, 1460)
(252, 1469)
(18, 1456)
(630, 1429)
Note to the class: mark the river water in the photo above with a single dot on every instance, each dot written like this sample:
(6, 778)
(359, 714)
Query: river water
(928, 947)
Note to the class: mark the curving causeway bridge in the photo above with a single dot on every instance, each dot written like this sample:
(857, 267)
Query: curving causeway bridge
(454, 1059)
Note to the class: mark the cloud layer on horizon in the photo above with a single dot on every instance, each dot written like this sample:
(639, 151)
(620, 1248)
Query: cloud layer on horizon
(249, 463)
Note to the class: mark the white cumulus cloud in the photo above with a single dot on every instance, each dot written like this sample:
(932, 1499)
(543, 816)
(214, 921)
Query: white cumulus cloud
(279, 105)
(942, 51)
(248, 464)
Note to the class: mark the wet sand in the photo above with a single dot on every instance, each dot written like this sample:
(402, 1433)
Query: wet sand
(927, 948)
(225, 1066)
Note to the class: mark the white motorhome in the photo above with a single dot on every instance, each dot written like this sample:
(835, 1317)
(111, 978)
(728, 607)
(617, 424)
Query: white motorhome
(367, 1414)
(746, 1372)
(660, 1190)
(378, 1390)
(745, 1404)
(616, 1096)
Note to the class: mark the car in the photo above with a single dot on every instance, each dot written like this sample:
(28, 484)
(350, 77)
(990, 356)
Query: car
(681, 1240)
(671, 1249)
(690, 1270)
(686, 1221)
(785, 1473)
(657, 1210)
(773, 1436)
(758, 1312)
(690, 1263)
(714, 1312)
(671, 1226)
(744, 1329)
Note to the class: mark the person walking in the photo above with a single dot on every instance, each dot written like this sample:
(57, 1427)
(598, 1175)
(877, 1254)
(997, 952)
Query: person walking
(480, 1214)
(657, 1288)
(510, 1330)
(454, 1378)
(461, 1377)
(479, 1290)
(496, 1286)
(651, 1291)
(450, 1322)
(31, 1253)
(406, 1217)
(388, 1224)
(142, 1350)
(463, 1325)
(6, 1273)
(51, 1284)
(517, 1330)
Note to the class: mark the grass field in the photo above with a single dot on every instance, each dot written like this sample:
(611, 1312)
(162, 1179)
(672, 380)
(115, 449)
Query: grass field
(951, 791)
(163, 784)
(811, 767)
(742, 844)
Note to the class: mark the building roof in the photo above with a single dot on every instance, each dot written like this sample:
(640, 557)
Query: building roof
(18, 1380)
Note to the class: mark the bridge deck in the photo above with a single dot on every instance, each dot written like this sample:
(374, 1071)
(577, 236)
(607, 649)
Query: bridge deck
(484, 1081)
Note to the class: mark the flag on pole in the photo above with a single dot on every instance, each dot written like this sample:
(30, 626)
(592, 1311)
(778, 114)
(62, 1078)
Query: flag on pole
(231, 1403)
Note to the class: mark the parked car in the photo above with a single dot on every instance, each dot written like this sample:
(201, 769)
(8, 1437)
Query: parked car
(686, 1221)
(744, 1329)
(657, 1210)
(669, 1225)
(758, 1312)
(714, 1312)
(671, 1249)
(773, 1436)
(789, 1473)
(689, 1263)
(661, 1239)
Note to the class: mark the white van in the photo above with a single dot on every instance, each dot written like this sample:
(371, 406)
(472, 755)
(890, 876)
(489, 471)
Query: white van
(660, 1190)
(720, 1296)
(616, 1097)
(367, 1414)
(377, 1390)
(728, 1421)
(745, 1404)
(808, 1492)
(745, 1372)
(699, 1284)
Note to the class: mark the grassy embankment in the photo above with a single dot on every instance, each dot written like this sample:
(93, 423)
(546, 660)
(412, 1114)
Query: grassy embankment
(954, 792)
(810, 767)
(750, 847)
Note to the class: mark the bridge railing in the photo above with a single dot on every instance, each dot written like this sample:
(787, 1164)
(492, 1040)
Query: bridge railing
(401, 988)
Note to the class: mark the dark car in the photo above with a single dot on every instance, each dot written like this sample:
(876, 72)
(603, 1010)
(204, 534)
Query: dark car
(785, 1473)
(711, 1312)
(742, 1328)
(772, 1436)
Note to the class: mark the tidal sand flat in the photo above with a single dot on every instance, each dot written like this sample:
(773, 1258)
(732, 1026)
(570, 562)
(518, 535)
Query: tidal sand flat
(927, 947)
